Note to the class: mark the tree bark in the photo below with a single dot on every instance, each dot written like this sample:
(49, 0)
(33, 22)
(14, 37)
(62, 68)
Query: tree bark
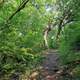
(46, 31)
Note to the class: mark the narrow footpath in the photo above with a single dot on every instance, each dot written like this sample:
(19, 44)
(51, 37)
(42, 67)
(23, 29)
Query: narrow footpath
(50, 65)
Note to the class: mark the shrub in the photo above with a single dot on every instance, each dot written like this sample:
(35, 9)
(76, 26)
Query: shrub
(70, 43)
(17, 61)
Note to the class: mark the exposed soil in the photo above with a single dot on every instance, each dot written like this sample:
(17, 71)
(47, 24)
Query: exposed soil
(51, 68)
(50, 64)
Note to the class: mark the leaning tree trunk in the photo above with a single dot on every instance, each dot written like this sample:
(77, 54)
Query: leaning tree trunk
(46, 32)
(45, 39)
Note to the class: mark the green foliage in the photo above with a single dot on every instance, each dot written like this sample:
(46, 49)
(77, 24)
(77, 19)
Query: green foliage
(70, 43)
(76, 72)
(21, 37)
(52, 39)
(18, 61)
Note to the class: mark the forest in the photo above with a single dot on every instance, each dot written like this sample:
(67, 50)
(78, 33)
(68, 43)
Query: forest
(39, 39)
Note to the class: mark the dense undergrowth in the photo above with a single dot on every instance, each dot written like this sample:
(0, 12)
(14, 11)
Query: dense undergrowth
(21, 41)
(70, 46)
(18, 61)
(22, 27)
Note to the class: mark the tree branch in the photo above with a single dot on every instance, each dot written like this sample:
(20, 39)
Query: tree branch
(19, 9)
(66, 16)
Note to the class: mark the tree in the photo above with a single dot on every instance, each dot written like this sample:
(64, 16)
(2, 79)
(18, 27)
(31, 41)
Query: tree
(68, 12)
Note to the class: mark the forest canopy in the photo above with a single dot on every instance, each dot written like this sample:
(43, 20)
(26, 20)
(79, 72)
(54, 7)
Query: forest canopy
(28, 27)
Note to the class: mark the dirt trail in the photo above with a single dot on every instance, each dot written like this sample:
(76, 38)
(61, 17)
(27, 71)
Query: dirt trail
(51, 69)
(51, 60)
(50, 64)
